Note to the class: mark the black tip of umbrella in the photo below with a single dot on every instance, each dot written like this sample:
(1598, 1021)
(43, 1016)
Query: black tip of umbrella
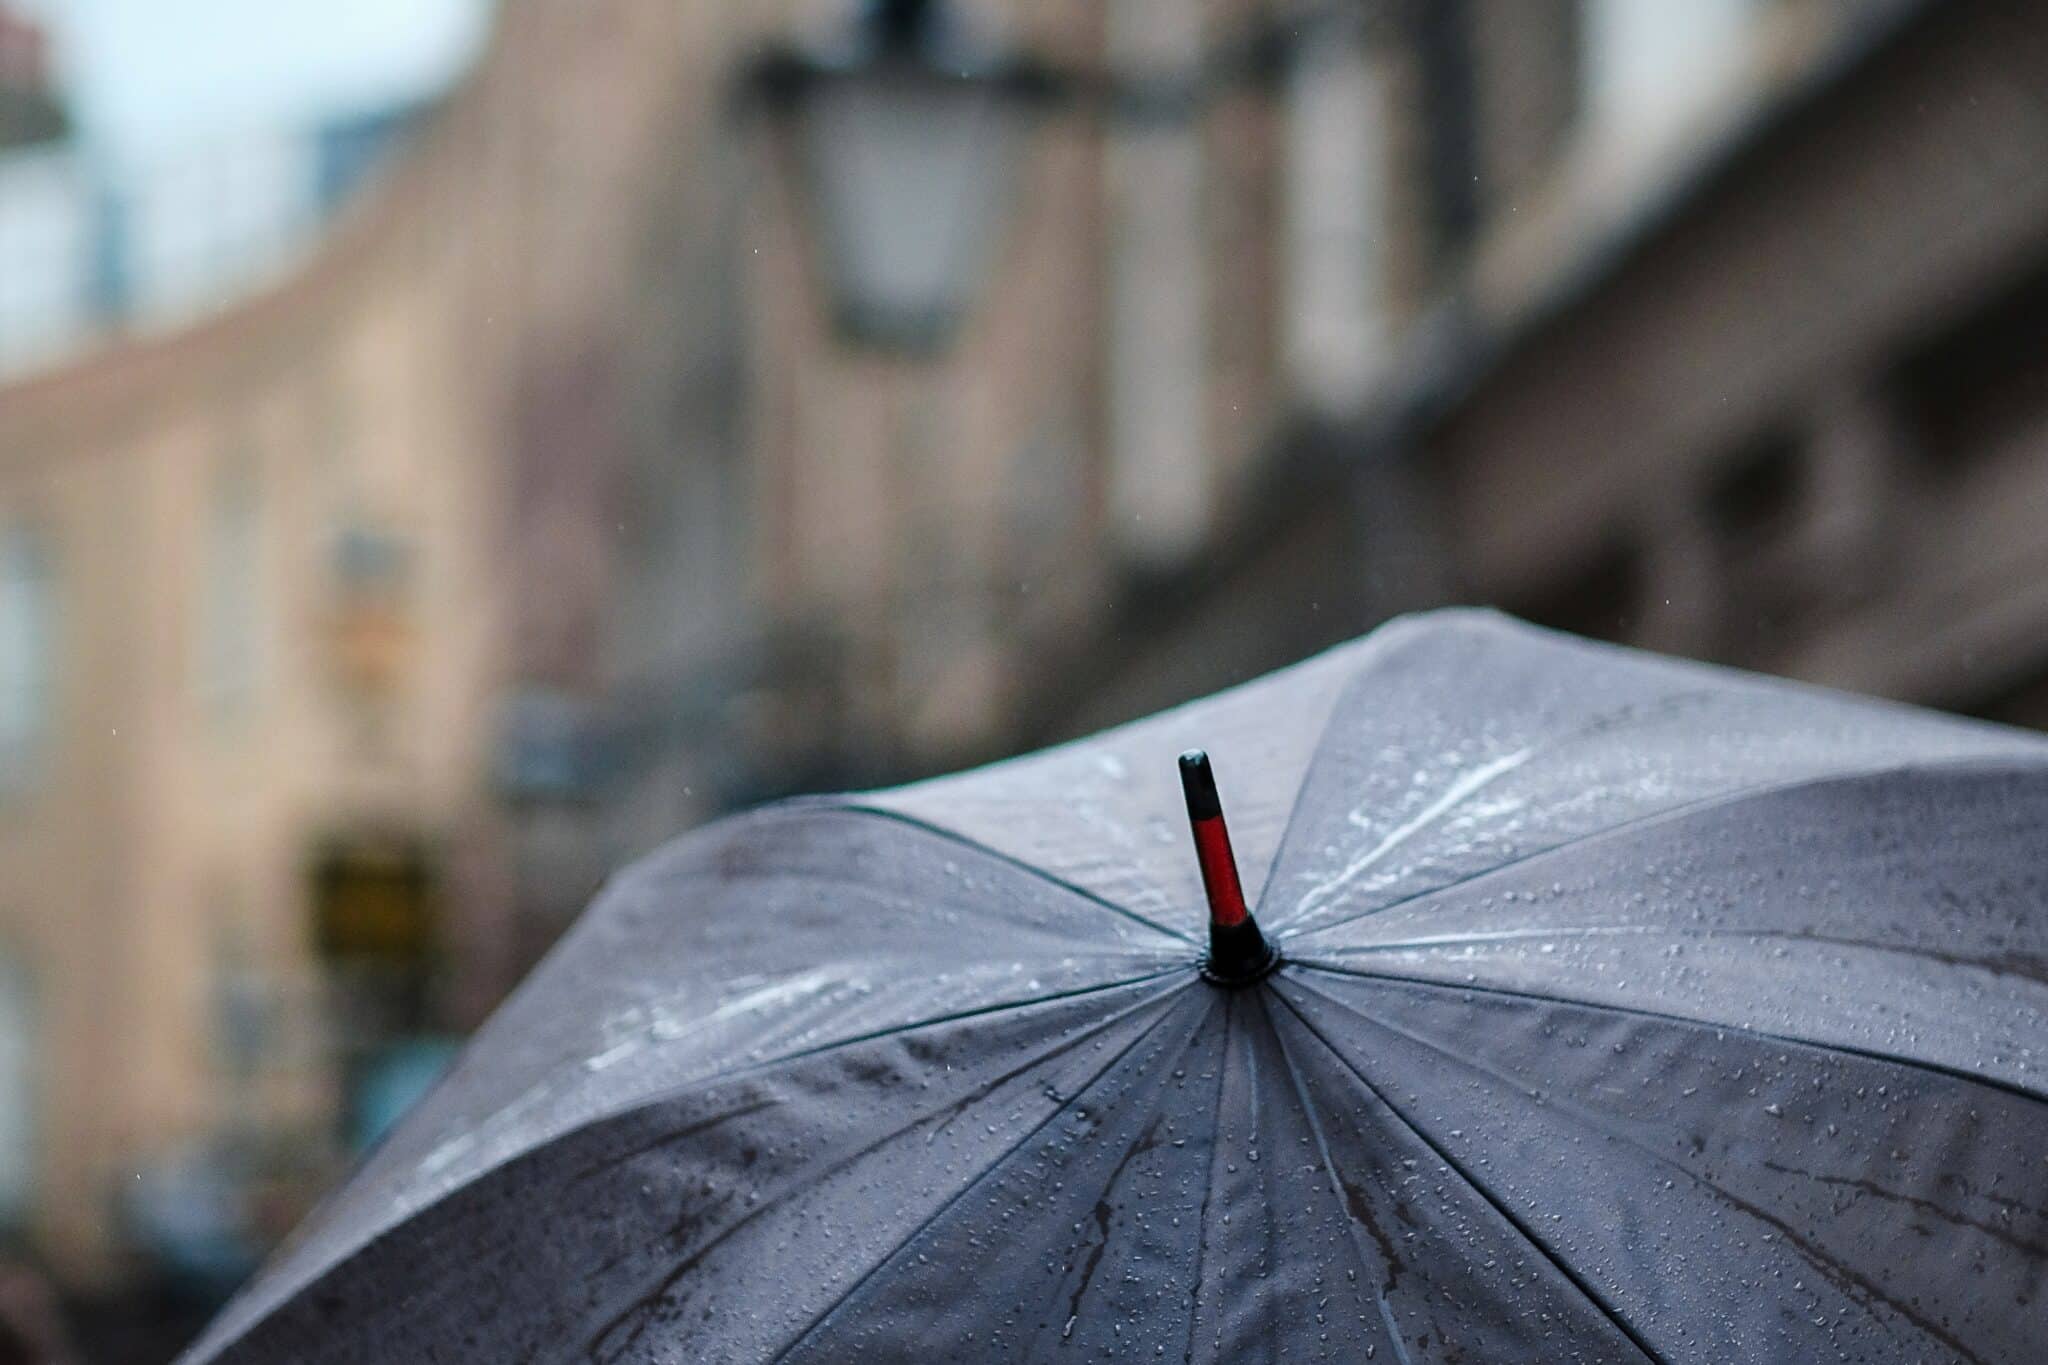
(1238, 952)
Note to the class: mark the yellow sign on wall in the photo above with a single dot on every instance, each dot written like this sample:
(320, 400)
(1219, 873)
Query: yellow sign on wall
(373, 905)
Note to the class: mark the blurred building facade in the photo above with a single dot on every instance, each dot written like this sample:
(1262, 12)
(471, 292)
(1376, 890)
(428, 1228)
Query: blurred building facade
(551, 504)
(218, 549)
(263, 585)
(1799, 422)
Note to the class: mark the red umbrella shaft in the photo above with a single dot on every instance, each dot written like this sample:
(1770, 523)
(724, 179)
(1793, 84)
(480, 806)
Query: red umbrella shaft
(1219, 872)
(1237, 950)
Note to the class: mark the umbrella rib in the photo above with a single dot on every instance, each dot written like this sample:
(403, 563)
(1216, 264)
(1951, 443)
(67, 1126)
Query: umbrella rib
(1703, 805)
(1585, 1288)
(1209, 1186)
(1065, 1102)
(1852, 1283)
(1786, 1039)
(1472, 783)
(1036, 873)
(1989, 966)
(1301, 794)
(698, 1083)
(1336, 1185)
(979, 1011)
(894, 1030)
(594, 1343)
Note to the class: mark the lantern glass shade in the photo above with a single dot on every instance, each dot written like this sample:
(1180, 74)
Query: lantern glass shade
(909, 169)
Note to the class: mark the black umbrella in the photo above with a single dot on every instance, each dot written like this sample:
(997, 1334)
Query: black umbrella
(1622, 1009)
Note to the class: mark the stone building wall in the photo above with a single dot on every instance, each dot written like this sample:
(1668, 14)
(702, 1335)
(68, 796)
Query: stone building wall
(1800, 428)
(297, 557)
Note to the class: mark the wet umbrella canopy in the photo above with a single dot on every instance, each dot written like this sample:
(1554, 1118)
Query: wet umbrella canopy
(1624, 1009)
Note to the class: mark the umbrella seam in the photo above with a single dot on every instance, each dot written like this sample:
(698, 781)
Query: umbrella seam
(592, 1342)
(823, 1049)
(1783, 1039)
(1308, 768)
(676, 1092)
(1683, 808)
(1989, 966)
(1387, 639)
(728, 1077)
(1066, 1102)
(1605, 1309)
(1683, 811)
(1472, 783)
(1230, 999)
(1336, 1185)
(1011, 860)
(1851, 1283)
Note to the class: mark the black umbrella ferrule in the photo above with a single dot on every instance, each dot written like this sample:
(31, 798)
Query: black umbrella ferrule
(1238, 951)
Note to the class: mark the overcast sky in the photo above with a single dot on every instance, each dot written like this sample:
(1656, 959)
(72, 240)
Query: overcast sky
(146, 74)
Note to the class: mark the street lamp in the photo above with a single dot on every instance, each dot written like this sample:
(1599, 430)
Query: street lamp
(906, 132)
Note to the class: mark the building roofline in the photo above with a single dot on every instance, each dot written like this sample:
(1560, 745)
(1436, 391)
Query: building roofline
(120, 379)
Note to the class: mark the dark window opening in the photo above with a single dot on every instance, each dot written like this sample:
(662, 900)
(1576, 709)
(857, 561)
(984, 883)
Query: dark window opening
(1753, 508)
(1602, 597)
(1758, 495)
(2022, 703)
(1980, 382)
(1443, 43)
(1530, 69)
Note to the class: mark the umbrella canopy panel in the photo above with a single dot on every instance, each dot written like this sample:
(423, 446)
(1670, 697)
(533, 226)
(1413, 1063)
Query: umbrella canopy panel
(1628, 1009)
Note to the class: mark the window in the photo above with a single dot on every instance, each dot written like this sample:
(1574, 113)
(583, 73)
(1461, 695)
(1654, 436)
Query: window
(45, 255)
(1600, 596)
(1757, 497)
(1443, 48)
(26, 646)
(1755, 508)
(1335, 176)
(1652, 66)
(1528, 84)
(1159, 309)
(1978, 388)
(229, 661)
